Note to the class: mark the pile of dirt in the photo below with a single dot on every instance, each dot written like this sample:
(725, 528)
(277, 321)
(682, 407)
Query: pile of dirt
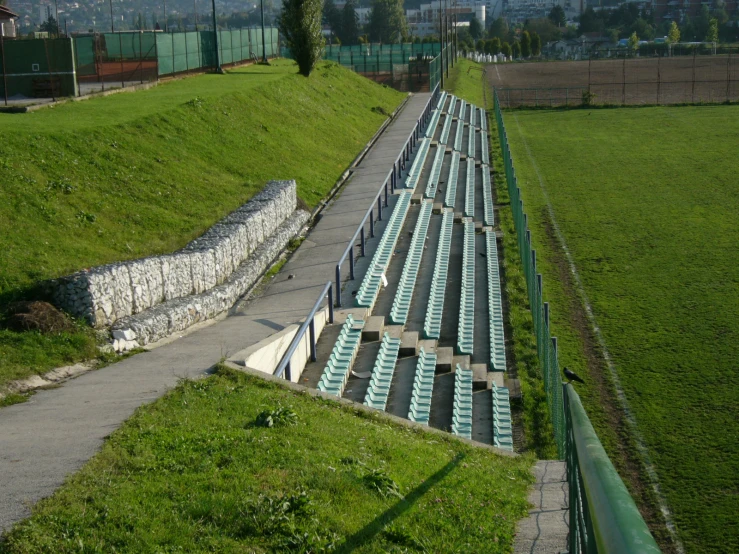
(37, 316)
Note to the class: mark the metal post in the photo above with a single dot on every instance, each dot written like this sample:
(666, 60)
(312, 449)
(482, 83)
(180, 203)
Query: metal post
(288, 373)
(120, 45)
(372, 222)
(312, 329)
(659, 78)
(219, 69)
(330, 304)
(141, 58)
(728, 75)
(385, 197)
(623, 82)
(5, 73)
(362, 241)
(264, 40)
(48, 69)
(112, 28)
(379, 205)
(693, 91)
(338, 285)
(165, 16)
(546, 314)
(351, 262)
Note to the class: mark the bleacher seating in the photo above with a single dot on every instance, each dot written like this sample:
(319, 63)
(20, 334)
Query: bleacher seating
(370, 287)
(423, 388)
(336, 372)
(483, 120)
(462, 110)
(452, 104)
(487, 198)
(407, 283)
(433, 182)
(451, 182)
(459, 136)
(495, 302)
(473, 113)
(433, 123)
(462, 410)
(484, 150)
(382, 374)
(442, 100)
(502, 427)
(444, 136)
(432, 324)
(418, 162)
(471, 143)
(469, 198)
(465, 334)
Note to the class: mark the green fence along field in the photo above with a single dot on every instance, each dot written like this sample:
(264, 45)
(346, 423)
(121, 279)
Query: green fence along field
(141, 173)
(647, 202)
(196, 471)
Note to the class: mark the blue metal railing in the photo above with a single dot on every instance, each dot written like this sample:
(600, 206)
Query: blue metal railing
(388, 186)
(283, 368)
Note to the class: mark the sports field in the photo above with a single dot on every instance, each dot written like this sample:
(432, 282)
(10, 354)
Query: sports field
(646, 202)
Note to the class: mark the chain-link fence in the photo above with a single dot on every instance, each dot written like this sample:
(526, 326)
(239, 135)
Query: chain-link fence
(620, 78)
(546, 344)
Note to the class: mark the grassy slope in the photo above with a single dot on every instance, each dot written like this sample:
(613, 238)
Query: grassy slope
(648, 211)
(135, 174)
(192, 472)
(466, 81)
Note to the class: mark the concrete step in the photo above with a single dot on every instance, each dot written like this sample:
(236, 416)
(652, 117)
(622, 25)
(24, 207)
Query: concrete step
(497, 378)
(428, 345)
(395, 331)
(357, 313)
(408, 344)
(373, 329)
(463, 361)
(479, 376)
(513, 386)
(444, 357)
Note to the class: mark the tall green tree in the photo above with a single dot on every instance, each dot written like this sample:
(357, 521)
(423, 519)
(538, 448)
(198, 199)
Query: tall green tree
(349, 24)
(476, 29)
(300, 24)
(673, 35)
(516, 49)
(499, 29)
(712, 34)
(495, 45)
(557, 16)
(526, 44)
(387, 21)
(505, 49)
(535, 44)
(633, 42)
(332, 16)
(50, 26)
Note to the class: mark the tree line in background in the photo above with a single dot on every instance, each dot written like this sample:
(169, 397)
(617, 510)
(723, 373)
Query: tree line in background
(387, 22)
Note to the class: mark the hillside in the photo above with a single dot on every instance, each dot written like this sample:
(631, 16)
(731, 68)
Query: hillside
(143, 173)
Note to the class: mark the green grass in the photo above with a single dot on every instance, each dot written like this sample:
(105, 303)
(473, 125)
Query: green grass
(196, 472)
(647, 202)
(466, 81)
(143, 173)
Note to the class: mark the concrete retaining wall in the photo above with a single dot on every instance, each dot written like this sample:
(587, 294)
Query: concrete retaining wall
(103, 295)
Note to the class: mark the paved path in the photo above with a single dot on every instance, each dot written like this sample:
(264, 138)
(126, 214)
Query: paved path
(53, 434)
(545, 530)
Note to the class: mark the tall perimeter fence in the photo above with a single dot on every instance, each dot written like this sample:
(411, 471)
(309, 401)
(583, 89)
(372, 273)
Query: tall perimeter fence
(405, 67)
(48, 68)
(618, 77)
(602, 515)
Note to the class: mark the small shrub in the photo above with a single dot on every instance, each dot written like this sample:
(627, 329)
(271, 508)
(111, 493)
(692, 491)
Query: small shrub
(381, 482)
(279, 417)
(588, 98)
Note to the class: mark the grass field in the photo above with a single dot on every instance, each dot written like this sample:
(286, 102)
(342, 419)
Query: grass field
(196, 472)
(647, 202)
(466, 81)
(142, 173)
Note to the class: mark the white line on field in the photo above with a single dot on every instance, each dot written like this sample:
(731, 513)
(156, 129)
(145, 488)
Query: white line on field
(623, 401)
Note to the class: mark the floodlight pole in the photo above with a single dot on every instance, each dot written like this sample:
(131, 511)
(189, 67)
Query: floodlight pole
(264, 40)
(219, 69)
(110, 3)
(165, 16)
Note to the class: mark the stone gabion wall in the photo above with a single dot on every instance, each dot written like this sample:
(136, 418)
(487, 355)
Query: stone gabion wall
(177, 315)
(105, 294)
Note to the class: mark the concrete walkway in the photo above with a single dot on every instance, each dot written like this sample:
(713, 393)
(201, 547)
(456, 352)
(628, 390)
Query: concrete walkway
(53, 434)
(545, 530)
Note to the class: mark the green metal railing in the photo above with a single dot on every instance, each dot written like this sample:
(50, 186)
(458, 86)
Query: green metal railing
(603, 516)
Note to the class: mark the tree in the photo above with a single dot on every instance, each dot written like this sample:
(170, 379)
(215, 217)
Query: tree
(475, 28)
(516, 49)
(526, 44)
(495, 45)
(489, 47)
(712, 34)
(480, 46)
(349, 24)
(673, 35)
(300, 24)
(543, 27)
(505, 49)
(557, 16)
(499, 29)
(591, 22)
(50, 26)
(535, 44)
(331, 16)
(633, 42)
(387, 21)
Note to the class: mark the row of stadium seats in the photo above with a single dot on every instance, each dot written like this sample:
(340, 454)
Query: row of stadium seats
(336, 373)
(471, 142)
(462, 110)
(431, 129)
(402, 302)
(485, 156)
(466, 331)
(435, 309)
(487, 198)
(502, 427)
(452, 105)
(417, 167)
(451, 182)
(433, 183)
(444, 137)
(495, 302)
(370, 287)
(458, 137)
(462, 410)
(423, 388)
(442, 100)
(473, 112)
(382, 374)
(469, 198)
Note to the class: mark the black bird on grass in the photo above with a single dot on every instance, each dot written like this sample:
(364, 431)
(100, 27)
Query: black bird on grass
(572, 376)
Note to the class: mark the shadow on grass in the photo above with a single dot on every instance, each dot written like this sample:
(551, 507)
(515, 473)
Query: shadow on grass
(369, 531)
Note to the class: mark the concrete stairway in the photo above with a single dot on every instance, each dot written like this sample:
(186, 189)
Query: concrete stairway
(547, 527)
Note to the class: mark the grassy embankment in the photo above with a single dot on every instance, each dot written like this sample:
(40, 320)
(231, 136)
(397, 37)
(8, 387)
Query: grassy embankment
(466, 81)
(196, 472)
(143, 173)
(648, 212)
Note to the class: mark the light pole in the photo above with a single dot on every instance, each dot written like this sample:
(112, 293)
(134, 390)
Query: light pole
(110, 3)
(219, 69)
(165, 16)
(264, 40)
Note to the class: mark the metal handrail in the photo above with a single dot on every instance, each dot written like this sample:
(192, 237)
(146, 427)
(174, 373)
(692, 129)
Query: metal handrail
(603, 515)
(309, 323)
(388, 186)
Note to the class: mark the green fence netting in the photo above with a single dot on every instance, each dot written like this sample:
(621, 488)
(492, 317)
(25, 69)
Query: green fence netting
(37, 68)
(546, 344)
